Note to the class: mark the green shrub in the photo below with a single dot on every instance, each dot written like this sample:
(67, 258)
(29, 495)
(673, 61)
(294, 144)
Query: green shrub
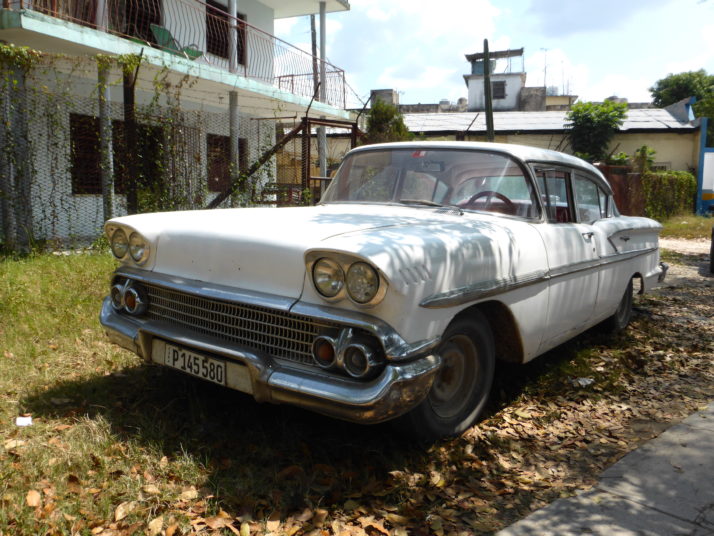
(668, 193)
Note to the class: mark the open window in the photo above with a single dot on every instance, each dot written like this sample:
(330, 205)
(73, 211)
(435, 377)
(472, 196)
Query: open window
(554, 186)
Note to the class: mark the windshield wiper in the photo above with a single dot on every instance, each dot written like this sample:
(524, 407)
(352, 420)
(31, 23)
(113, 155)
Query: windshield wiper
(429, 203)
(426, 202)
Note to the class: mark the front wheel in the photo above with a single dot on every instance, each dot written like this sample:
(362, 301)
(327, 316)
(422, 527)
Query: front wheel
(462, 384)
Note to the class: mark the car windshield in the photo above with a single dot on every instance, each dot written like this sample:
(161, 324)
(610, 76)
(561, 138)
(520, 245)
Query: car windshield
(468, 179)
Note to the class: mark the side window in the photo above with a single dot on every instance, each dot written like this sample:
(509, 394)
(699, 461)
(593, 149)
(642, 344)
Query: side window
(553, 186)
(589, 199)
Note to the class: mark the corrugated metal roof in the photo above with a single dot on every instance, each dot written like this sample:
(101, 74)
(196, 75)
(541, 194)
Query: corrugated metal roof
(637, 119)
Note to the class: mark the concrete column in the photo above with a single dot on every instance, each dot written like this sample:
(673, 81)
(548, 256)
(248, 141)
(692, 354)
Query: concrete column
(233, 36)
(101, 17)
(234, 126)
(321, 133)
(106, 153)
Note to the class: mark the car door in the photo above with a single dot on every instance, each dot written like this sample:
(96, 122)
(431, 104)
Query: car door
(572, 252)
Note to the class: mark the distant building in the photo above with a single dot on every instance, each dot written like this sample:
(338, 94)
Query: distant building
(509, 92)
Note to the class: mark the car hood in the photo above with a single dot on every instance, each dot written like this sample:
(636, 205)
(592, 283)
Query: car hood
(263, 249)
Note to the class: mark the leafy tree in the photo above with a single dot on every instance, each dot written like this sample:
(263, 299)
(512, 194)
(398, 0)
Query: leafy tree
(592, 126)
(675, 87)
(386, 123)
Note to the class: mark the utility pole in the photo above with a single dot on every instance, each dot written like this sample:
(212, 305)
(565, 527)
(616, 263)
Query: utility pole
(545, 68)
(490, 135)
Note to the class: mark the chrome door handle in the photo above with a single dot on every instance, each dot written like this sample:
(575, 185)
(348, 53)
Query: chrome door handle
(588, 236)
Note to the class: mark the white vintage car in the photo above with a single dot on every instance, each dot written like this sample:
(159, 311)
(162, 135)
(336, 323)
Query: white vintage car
(423, 264)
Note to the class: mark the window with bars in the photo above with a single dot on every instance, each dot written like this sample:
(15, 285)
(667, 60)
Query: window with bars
(218, 26)
(498, 90)
(218, 150)
(85, 169)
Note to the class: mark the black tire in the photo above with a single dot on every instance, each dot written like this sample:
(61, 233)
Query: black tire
(462, 385)
(622, 315)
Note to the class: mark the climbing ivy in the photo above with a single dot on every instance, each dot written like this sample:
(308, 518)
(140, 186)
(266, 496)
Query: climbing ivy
(668, 193)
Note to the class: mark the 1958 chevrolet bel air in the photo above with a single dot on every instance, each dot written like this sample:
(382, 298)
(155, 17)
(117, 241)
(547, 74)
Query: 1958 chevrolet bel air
(423, 264)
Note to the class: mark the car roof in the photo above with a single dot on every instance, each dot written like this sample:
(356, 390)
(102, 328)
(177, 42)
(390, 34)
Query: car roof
(524, 153)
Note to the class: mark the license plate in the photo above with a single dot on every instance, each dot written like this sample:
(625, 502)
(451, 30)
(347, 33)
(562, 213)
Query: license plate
(201, 366)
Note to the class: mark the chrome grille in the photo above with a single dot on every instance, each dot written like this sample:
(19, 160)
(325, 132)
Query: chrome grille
(281, 334)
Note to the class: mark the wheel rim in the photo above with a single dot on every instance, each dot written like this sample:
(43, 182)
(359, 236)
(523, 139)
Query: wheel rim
(452, 388)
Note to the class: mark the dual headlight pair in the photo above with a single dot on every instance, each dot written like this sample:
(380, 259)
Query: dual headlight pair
(360, 280)
(135, 244)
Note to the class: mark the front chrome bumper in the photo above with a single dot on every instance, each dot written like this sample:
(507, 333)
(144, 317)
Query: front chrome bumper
(400, 386)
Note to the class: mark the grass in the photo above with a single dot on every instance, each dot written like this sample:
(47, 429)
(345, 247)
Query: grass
(121, 447)
(689, 226)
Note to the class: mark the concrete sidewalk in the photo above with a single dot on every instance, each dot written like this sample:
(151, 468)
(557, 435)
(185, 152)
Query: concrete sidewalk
(666, 487)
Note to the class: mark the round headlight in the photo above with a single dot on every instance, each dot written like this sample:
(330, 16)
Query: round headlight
(328, 277)
(119, 243)
(137, 247)
(362, 282)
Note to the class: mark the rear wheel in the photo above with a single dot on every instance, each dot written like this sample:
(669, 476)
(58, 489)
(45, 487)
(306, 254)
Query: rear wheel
(462, 385)
(621, 318)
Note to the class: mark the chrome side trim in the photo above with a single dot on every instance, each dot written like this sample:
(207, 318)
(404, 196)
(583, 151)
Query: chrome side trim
(479, 291)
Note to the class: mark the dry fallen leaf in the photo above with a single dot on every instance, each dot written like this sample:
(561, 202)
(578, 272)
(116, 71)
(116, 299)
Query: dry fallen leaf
(216, 522)
(13, 444)
(124, 509)
(273, 522)
(33, 498)
(151, 489)
(155, 525)
(188, 494)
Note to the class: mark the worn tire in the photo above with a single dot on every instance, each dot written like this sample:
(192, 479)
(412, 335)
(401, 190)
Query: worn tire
(461, 388)
(622, 315)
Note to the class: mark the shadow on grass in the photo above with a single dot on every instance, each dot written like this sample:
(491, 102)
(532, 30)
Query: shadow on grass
(261, 457)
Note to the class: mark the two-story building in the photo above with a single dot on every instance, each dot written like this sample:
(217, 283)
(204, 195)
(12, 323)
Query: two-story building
(144, 104)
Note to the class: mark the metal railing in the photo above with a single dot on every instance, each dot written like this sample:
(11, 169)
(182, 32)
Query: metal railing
(201, 32)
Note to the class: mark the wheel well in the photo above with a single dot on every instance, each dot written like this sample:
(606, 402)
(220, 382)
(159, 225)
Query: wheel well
(509, 346)
(641, 279)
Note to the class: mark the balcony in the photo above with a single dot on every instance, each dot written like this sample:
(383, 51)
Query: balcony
(203, 33)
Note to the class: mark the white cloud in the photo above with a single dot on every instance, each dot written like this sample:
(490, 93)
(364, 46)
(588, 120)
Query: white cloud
(285, 26)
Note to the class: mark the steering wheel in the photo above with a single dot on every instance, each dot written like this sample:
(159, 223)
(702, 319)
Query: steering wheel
(510, 207)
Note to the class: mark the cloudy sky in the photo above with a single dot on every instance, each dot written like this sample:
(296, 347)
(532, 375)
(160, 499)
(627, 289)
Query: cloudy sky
(590, 48)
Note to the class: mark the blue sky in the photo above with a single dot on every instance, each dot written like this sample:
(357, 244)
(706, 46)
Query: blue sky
(594, 49)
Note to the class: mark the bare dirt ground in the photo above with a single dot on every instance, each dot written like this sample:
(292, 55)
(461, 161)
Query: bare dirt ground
(686, 247)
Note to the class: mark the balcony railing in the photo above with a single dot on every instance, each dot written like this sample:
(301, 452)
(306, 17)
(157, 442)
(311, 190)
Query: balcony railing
(204, 33)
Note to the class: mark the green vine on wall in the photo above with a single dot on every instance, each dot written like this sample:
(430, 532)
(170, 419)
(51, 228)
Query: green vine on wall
(23, 58)
(668, 193)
